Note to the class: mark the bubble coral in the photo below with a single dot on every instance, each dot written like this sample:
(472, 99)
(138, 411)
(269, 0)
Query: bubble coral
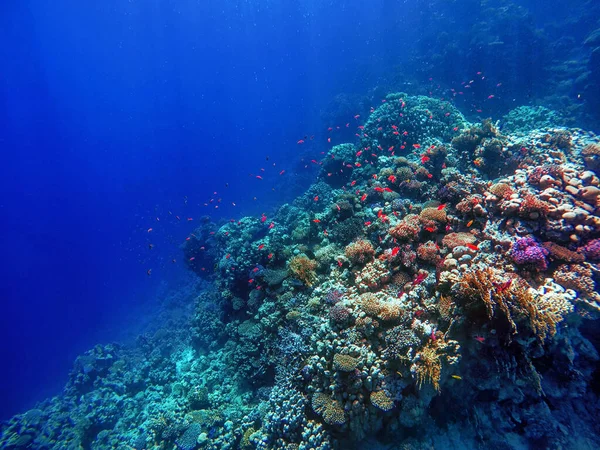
(527, 251)
(360, 251)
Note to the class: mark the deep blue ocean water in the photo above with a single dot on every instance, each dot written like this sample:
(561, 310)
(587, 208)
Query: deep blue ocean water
(116, 117)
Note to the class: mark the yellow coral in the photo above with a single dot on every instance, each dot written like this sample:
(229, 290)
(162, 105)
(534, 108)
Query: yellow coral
(382, 400)
(429, 366)
(328, 408)
(344, 363)
(439, 215)
(303, 269)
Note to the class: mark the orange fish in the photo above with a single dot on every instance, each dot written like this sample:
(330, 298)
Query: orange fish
(363, 198)
(430, 229)
(469, 223)
(353, 183)
(316, 199)
(472, 247)
(367, 224)
(424, 159)
(282, 172)
(251, 280)
(442, 206)
(301, 141)
(261, 246)
(271, 225)
(270, 255)
(392, 178)
(417, 145)
(316, 220)
(395, 251)
(387, 189)
(259, 177)
(479, 339)
(357, 116)
(379, 189)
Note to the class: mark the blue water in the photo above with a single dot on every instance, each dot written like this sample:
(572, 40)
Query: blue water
(115, 117)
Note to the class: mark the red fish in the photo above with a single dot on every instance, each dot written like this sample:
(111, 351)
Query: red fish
(419, 279)
(259, 177)
(430, 229)
(301, 141)
(367, 224)
(251, 280)
(379, 189)
(357, 116)
(392, 178)
(316, 199)
(472, 247)
(394, 127)
(479, 339)
(363, 198)
(387, 189)
(192, 258)
(282, 172)
(504, 286)
(270, 255)
(395, 251)
(417, 145)
(353, 183)
(271, 225)
(149, 230)
(424, 159)
(316, 220)
(261, 246)
(339, 263)
(263, 218)
(442, 206)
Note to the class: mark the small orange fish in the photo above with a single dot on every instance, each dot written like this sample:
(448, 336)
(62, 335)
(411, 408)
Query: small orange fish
(469, 223)
(316, 199)
(316, 220)
(259, 177)
(282, 172)
(442, 206)
(367, 224)
(251, 280)
(271, 225)
(424, 159)
(255, 269)
(387, 189)
(353, 183)
(430, 229)
(357, 116)
(395, 251)
(472, 247)
(301, 141)
(416, 145)
(363, 198)
(379, 189)
(270, 255)
(261, 246)
(392, 178)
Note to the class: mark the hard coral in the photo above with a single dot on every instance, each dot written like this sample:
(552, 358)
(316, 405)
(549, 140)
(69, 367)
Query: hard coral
(501, 190)
(439, 215)
(344, 363)
(562, 253)
(406, 229)
(360, 251)
(303, 268)
(527, 251)
(428, 252)
(382, 400)
(329, 408)
(592, 250)
(452, 240)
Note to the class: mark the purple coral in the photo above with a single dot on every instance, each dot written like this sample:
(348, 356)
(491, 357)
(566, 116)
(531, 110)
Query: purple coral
(592, 250)
(529, 251)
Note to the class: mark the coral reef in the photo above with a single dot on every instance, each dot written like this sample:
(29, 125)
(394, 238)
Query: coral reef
(443, 285)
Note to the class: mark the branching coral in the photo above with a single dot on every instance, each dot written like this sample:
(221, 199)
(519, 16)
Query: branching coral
(562, 253)
(501, 190)
(506, 301)
(429, 365)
